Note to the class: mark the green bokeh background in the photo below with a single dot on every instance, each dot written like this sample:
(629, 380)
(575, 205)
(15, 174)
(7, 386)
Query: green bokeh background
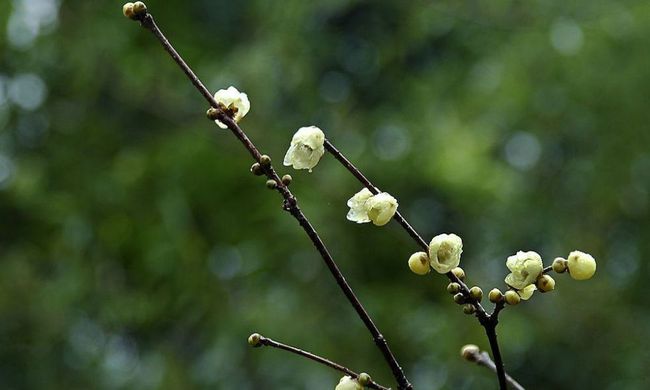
(137, 252)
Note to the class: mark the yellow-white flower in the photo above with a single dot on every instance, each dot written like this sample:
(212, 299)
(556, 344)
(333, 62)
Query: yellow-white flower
(527, 292)
(233, 100)
(306, 148)
(347, 383)
(525, 267)
(381, 208)
(582, 266)
(366, 207)
(358, 212)
(419, 263)
(444, 252)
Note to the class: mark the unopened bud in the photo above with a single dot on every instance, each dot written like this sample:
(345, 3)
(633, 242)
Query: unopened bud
(469, 308)
(470, 352)
(495, 295)
(559, 265)
(460, 274)
(127, 10)
(254, 340)
(271, 184)
(286, 179)
(459, 298)
(453, 288)
(265, 160)
(512, 298)
(256, 169)
(139, 8)
(476, 293)
(419, 263)
(212, 113)
(545, 283)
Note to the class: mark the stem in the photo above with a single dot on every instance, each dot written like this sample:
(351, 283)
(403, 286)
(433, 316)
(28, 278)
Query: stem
(357, 173)
(275, 344)
(290, 204)
(483, 359)
(489, 322)
(480, 311)
(490, 330)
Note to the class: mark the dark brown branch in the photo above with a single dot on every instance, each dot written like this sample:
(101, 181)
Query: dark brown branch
(483, 359)
(366, 183)
(491, 332)
(488, 321)
(403, 222)
(290, 204)
(275, 344)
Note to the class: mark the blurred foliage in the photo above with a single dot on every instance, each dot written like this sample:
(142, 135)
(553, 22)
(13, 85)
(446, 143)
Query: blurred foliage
(137, 251)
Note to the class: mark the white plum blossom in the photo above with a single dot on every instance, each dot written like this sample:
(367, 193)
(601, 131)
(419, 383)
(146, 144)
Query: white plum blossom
(444, 252)
(527, 292)
(381, 208)
(357, 204)
(582, 266)
(366, 207)
(233, 100)
(347, 383)
(306, 148)
(525, 268)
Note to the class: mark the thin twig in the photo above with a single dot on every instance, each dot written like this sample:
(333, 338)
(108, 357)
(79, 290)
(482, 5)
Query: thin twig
(402, 221)
(488, 321)
(290, 204)
(275, 344)
(483, 359)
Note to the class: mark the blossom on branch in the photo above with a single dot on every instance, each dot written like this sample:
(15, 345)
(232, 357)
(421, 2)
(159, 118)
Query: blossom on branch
(306, 148)
(527, 292)
(444, 252)
(582, 266)
(381, 208)
(233, 101)
(525, 268)
(366, 207)
(347, 383)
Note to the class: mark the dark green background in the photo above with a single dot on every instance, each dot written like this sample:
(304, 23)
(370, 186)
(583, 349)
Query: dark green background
(137, 252)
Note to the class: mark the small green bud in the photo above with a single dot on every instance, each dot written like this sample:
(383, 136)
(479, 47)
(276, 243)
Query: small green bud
(364, 379)
(212, 113)
(476, 293)
(545, 283)
(255, 340)
(460, 274)
(271, 184)
(469, 308)
(265, 160)
(257, 169)
(559, 265)
(453, 288)
(459, 298)
(139, 8)
(512, 298)
(470, 352)
(286, 179)
(127, 10)
(495, 295)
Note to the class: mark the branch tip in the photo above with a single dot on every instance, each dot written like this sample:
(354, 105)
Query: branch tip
(255, 340)
(135, 11)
